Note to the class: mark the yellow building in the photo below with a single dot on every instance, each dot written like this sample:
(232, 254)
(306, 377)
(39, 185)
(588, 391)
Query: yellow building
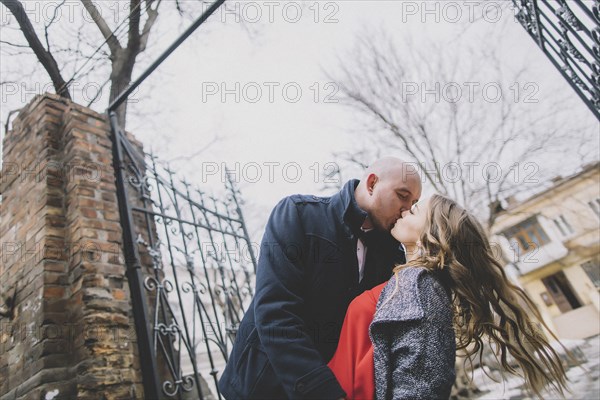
(552, 243)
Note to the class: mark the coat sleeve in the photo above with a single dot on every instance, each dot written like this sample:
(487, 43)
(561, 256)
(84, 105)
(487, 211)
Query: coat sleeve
(414, 357)
(278, 308)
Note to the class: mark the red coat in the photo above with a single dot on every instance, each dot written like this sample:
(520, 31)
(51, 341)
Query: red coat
(352, 362)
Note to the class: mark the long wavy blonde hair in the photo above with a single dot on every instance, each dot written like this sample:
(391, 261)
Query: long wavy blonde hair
(487, 306)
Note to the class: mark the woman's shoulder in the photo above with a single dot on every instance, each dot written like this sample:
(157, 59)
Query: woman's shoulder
(408, 294)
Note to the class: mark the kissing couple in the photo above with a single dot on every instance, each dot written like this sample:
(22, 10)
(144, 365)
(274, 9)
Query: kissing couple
(369, 293)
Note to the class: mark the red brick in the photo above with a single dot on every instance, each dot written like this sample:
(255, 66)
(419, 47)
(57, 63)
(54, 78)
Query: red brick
(118, 294)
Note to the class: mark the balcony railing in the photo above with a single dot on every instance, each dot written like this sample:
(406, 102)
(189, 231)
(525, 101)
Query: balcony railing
(538, 256)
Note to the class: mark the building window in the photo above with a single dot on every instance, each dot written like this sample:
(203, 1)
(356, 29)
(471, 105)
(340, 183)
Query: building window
(595, 206)
(563, 225)
(592, 269)
(529, 235)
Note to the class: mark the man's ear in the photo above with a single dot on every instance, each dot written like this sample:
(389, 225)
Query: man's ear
(372, 179)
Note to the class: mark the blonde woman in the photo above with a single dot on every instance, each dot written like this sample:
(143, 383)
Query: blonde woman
(399, 340)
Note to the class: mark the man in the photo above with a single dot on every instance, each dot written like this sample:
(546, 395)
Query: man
(317, 254)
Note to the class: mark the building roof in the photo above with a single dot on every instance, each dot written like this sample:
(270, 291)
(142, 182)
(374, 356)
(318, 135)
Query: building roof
(556, 183)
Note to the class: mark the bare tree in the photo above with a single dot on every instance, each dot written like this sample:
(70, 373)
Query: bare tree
(476, 131)
(436, 105)
(123, 57)
(44, 55)
(98, 41)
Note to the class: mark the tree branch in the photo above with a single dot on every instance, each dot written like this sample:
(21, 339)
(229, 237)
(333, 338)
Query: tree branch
(152, 15)
(14, 44)
(111, 40)
(133, 43)
(47, 27)
(44, 57)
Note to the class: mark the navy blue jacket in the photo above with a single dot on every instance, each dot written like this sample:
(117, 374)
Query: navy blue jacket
(307, 275)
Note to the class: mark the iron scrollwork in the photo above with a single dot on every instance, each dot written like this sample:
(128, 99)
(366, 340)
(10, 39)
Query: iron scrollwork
(197, 280)
(568, 32)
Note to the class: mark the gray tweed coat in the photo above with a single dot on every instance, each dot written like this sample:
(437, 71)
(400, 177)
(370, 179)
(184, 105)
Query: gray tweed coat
(413, 338)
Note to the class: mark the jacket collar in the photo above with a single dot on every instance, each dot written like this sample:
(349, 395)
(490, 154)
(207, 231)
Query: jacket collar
(351, 214)
(406, 302)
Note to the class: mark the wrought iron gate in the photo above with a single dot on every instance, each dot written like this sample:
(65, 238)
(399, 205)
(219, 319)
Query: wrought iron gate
(190, 263)
(568, 32)
(190, 268)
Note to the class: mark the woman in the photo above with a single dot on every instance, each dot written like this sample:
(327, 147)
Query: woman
(452, 294)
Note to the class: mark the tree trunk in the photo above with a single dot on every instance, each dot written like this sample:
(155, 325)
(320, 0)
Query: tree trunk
(120, 79)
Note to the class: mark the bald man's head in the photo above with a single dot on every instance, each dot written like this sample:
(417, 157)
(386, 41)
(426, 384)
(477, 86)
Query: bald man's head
(389, 187)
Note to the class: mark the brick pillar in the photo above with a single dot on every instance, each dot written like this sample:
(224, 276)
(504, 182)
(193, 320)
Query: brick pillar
(72, 335)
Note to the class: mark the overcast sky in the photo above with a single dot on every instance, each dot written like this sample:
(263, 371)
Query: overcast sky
(259, 87)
